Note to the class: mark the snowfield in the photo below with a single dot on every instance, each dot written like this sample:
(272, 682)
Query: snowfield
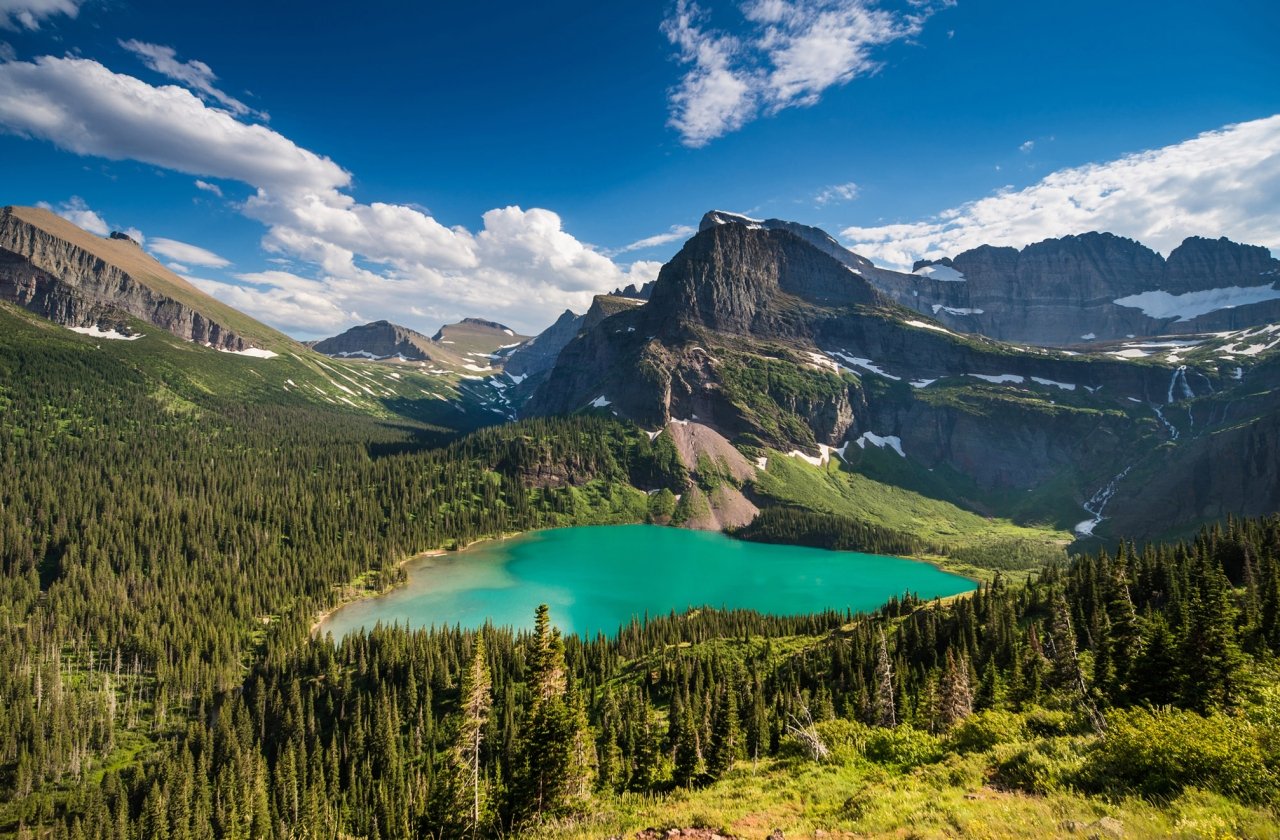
(1184, 307)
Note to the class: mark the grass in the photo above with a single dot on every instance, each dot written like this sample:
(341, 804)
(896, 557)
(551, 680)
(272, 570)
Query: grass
(838, 490)
(945, 800)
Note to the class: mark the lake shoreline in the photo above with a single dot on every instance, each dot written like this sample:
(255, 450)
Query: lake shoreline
(326, 617)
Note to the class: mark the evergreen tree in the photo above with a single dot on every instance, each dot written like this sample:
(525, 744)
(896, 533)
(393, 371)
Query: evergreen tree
(885, 709)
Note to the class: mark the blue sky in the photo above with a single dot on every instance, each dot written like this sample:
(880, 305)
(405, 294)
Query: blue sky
(421, 164)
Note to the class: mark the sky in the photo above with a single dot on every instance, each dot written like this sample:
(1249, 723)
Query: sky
(318, 165)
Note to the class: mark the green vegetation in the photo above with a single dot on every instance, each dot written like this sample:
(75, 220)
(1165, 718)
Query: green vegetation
(168, 532)
(889, 518)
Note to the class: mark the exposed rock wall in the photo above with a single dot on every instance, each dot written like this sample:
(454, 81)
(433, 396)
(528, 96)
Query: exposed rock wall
(67, 284)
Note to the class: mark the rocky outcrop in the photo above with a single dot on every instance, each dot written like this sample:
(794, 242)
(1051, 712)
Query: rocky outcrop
(378, 340)
(53, 268)
(537, 355)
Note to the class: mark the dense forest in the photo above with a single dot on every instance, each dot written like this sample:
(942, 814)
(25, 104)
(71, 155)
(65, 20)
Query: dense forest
(164, 555)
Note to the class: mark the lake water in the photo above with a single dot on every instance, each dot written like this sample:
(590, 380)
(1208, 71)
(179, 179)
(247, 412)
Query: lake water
(597, 578)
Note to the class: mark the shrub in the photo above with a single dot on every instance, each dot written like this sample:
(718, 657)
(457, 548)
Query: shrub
(903, 747)
(1041, 766)
(984, 730)
(1159, 753)
(1051, 723)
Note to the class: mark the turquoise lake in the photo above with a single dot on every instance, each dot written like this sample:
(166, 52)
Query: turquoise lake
(596, 579)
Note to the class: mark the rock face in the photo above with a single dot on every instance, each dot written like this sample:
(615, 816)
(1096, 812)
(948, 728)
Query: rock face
(53, 268)
(378, 340)
(1074, 290)
(537, 355)
(757, 334)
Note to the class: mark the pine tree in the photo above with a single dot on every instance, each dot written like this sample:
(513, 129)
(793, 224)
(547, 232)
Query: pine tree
(466, 788)
(955, 695)
(885, 709)
(725, 733)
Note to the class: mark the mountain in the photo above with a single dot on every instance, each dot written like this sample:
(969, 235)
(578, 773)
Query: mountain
(769, 341)
(53, 268)
(1094, 287)
(378, 340)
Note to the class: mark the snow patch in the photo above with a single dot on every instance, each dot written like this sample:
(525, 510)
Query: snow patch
(518, 378)
(881, 441)
(93, 332)
(255, 352)
(1129, 353)
(762, 463)
(815, 460)
(952, 310)
(1161, 304)
(922, 383)
(600, 402)
(1066, 386)
(865, 364)
(927, 326)
(1088, 336)
(945, 273)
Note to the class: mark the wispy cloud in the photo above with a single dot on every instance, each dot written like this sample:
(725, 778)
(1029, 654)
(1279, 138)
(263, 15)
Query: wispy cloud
(791, 52)
(184, 252)
(194, 74)
(1027, 146)
(209, 188)
(836, 193)
(675, 234)
(377, 259)
(29, 14)
(1221, 183)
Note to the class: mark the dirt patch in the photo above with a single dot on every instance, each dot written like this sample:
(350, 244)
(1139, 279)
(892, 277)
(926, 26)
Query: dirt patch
(693, 440)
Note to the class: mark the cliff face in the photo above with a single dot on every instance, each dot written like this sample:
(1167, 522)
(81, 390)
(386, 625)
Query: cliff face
(51, 267)
(1068, 291)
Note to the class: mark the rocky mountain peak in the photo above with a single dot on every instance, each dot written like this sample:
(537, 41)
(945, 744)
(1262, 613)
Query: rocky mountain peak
(124, 237)
(733, 276)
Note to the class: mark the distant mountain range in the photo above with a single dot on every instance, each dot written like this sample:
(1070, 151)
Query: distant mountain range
(1001, 381)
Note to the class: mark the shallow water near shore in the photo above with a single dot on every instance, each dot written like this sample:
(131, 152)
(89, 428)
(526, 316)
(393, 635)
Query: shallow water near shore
(598, 578)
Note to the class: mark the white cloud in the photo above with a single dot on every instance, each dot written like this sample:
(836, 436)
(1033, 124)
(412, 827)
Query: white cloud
(186, 253)
(27, 14)
(194, 74)
(376, 259)
(793, 52)
(177, 268)
(76, 211)
(1027, 146)
(836, 193)
(674, 234)
(1220, 183)
(207, 187)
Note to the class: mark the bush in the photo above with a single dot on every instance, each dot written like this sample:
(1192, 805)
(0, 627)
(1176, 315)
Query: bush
(1052, 723)
(1040, 767)
(847, 739)
(984, 730)
(903, 747)
(1159, 753)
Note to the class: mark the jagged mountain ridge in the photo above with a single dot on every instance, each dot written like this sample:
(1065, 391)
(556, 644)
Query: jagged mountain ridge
(777, 345)
(1073, 290)
(55, 269)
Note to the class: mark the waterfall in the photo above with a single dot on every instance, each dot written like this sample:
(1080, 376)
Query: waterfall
(1179, 377)
(1172, 429)
(1098, 503)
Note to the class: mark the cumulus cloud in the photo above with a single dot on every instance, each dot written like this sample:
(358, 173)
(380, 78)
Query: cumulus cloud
(376, 259)
(78, 212)
(194, 74)
(674, 234)
(210, 188)
(791, 53)
(1221, 183)
(836, 193)
(184, 252)
(28, 14)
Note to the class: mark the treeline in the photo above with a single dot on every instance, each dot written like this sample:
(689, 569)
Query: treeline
(797, 526)
(440, 733)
